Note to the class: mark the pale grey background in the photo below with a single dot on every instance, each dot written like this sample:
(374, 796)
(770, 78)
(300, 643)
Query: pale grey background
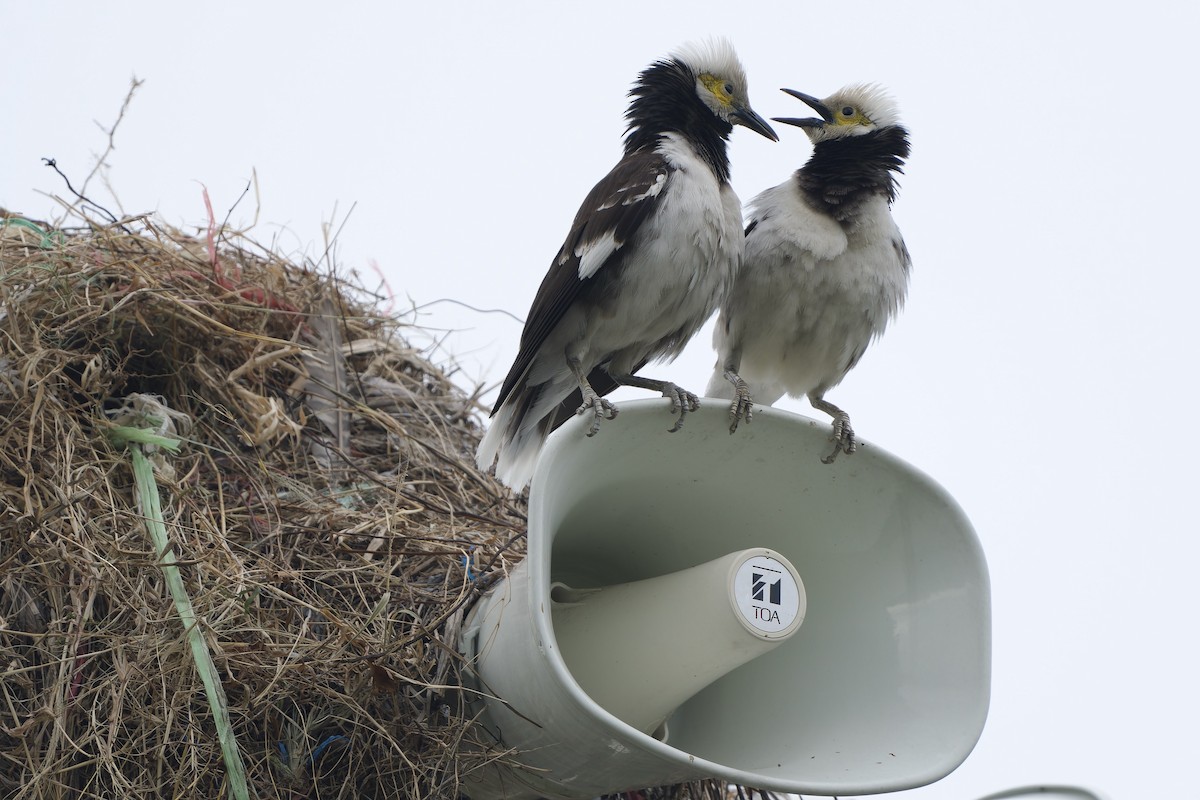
(1043, 370)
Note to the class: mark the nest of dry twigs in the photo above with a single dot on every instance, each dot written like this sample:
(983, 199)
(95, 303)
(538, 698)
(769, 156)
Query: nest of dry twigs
(324, 507)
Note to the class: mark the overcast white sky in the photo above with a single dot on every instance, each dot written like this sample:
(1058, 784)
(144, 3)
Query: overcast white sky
(1044, 370)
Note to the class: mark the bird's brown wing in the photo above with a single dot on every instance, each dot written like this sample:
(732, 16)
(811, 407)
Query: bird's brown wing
(610, 216)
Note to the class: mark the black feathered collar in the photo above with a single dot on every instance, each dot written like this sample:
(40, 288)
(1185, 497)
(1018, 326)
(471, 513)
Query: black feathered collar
(665, 101)
(843, 173)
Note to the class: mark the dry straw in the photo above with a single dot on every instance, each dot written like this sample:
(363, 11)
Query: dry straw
(327, 521)
(241, 524)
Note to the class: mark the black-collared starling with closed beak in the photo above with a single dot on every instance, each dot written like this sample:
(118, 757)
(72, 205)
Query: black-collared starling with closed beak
(651, 253)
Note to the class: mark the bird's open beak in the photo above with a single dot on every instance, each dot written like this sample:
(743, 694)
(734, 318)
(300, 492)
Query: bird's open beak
(746, 116)
(807, 122)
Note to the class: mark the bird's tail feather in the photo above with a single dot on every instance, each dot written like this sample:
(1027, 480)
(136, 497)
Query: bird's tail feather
(518, 430)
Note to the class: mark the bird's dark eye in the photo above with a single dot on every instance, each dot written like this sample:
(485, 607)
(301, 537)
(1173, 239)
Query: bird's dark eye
(729, 89)
(847, 111)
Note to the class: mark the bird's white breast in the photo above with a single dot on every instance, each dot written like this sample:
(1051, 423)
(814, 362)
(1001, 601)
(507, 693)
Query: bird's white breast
(812, 294)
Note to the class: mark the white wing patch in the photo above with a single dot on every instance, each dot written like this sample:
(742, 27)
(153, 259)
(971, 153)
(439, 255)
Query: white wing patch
(592, 254)
(660, 180)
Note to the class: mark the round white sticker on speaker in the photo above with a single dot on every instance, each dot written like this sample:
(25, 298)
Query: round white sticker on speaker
(770, 596)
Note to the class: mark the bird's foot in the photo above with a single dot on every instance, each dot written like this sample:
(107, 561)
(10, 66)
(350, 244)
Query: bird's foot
(682, 402)
(843, 438)
(599, 408)
(742, 407)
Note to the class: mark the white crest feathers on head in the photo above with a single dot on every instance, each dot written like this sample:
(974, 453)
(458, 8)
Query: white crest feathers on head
(715, 56)
(869, 98)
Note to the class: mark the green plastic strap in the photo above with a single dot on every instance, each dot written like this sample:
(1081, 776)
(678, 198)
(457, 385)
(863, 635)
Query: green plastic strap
(151, 505)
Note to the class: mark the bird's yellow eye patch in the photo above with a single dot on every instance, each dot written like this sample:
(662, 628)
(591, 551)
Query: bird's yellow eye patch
(849, 115)
(721, 88)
